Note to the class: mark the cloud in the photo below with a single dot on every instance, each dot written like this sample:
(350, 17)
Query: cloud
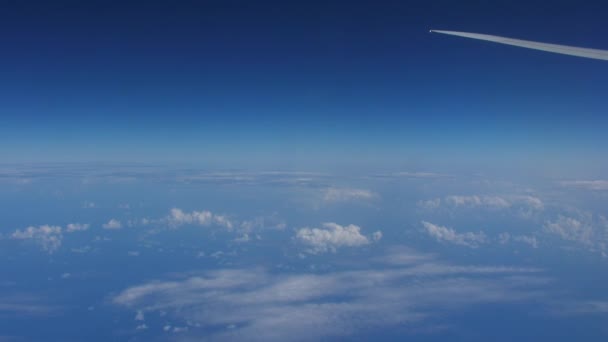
(76, 227)
(333, 236)
(586, 229)
(177, 217)
(255, 304)
(490, 202)
(505, 238)
(112, 224)
(446, 234)
(262, 223)
(430, 204)
(597, 185)
(405, 174)
(525, 206)
(530, 240)
(476, 201)
(347, 194)
(25, 305)
(49, 237)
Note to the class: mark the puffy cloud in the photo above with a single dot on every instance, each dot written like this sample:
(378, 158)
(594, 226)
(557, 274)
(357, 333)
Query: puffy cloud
(49, 237)
(112, 224)
(255, 304)
(76, 227)
(347, 194)
(591, 231)
(178, 217)
(446, 234)
(572, 229)
(333, 236)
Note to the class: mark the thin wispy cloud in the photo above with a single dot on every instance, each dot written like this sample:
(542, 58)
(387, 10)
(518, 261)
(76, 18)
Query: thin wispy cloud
(597, 185)
(255, 304)
(347, 194)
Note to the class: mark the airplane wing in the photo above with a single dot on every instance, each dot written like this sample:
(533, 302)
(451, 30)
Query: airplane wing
(555, 48)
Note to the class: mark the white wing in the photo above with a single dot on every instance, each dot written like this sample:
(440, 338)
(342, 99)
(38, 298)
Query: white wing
(561, 49)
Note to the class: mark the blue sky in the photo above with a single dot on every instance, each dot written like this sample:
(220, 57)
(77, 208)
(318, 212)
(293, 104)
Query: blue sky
(314, 170)
(314, 82)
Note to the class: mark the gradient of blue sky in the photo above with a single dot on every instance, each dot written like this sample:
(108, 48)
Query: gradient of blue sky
(246, 83)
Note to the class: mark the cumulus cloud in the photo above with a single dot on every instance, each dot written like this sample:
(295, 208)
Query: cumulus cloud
(445, 234)
(76, 227)
(255, 304)
(178, 217)
(112, 224)
(572, 229)
(333, 236)
(48, 237)
(347, 194)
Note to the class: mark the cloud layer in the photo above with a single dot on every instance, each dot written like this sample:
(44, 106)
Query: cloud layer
(255, 304)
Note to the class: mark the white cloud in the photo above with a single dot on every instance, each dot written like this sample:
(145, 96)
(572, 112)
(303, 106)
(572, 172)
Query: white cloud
(255, 304)
(406, 174)
(262, 223)
(490, 202)
(331, 237)
(377, 236)
(49, 237)
(25, 305)
(476, 201)
(530, 240)
(112, 224)
(430, 204)
(243, 238)
(347, 194)
(505, 238)
(598, 185)
(76, 227)
(446, 234)
(586, 229)
(178, 217)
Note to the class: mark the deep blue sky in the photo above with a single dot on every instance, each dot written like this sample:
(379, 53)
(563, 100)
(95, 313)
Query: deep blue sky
(309, 82)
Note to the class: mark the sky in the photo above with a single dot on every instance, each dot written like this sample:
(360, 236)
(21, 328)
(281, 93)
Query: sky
(229, 82)
(301, 170)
